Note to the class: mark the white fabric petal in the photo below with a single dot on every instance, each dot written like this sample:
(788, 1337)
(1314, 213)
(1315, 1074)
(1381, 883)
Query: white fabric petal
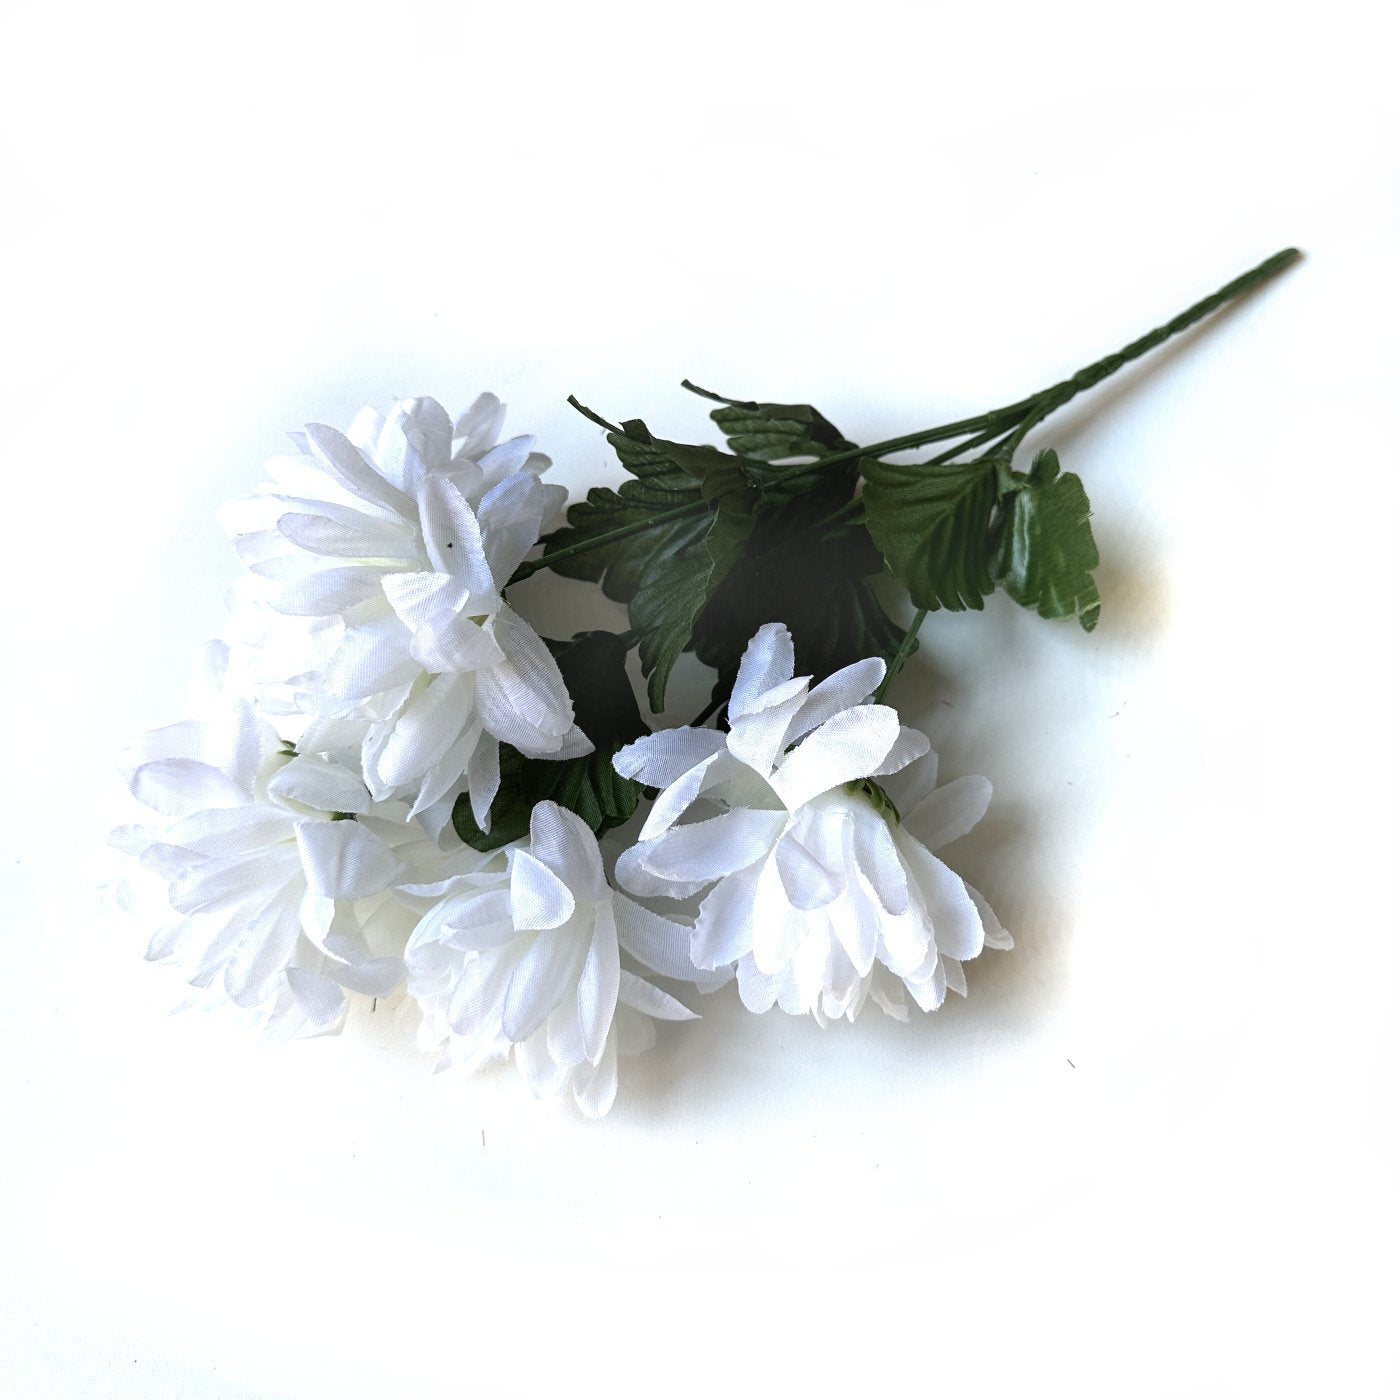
(957, 926)
(563, 842)
(874, 851)
(633, 873)
(424, 730)
(652, 1001)
(324, 592)
(480, 425)
(539, 899)
(523, 701)
(424, 598)
(372, 656)
(949, 812)
(841, 690)
(993, 934)
(511, 515)
(908, 748)
(343, 859)
(673, 803)
(709, 849)
(311, 780)
(598, 985)
(758, 736)
(907, 788)
(658, 943)
(777, 926)
(319, 999)
(724, 929)
(659, 759)
(416, 437)
(806, 882)
(174, 786)
(231, 831)
(484, 778)
(767, 661)
(364, 539)
(452, 536)
(595, 1087)
(544, 975)
(346, 464)
(847, 747)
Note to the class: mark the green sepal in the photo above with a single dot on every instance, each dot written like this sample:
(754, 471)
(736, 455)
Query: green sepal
(1045, 550)
(593, 665)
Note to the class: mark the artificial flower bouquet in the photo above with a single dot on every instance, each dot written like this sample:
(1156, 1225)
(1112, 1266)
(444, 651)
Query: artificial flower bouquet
(391, 785)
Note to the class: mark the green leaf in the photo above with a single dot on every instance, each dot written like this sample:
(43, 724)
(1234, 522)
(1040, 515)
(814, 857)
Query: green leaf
(779, 432)
(932, 521)
(666, 573)
(1046, 550)
(816, 579)
(593, 665)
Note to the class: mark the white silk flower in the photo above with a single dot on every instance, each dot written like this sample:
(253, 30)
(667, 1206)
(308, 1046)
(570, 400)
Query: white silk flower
(374, 611)
(810, 828)
(523, 956)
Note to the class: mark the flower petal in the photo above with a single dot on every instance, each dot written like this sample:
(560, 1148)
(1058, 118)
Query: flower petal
(672, 804)
(949, 812)
(908, 748)
(344, 860)
(480, 425)
(757, 737)
(710, 849)
(561, 840)
(652, 1001)
(425, 729)
(323, 592)
(174, 786)
(539, 899)
(314, 781)
(841, 690)
(767, 661)
(319, 999)
(956, 924)
(724, 929)
(543, 976)
(452, 536)
(658, 943)
(346, 464)
(523, 701)
(993, 934)
(365, 539)
(659, 759)
(595, 1086)
(598, 985)
(848, 746)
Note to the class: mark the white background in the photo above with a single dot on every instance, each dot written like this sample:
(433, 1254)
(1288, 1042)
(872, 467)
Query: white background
(1154, 1153)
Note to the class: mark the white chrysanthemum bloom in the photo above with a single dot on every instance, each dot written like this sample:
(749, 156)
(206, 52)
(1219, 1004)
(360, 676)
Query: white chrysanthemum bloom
(819, 891)
(381, 556)
(268, 873)
(523, 953)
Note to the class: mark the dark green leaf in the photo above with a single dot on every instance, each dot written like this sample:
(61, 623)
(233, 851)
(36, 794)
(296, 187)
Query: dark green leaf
(779, 432)
(1046, 550)
(815, 579)
(665, 573)
(931, 521)
(593, 665)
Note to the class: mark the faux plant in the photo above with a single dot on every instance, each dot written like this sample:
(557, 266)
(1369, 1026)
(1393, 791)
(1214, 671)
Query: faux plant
(393, 785)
